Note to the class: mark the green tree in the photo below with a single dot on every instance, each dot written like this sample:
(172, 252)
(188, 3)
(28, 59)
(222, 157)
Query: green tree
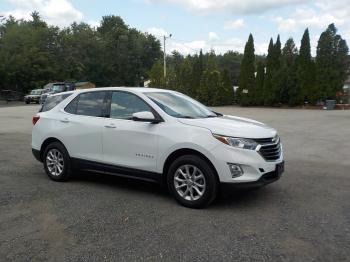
(306, 72)
(156, 75)
(268, 90)
(259, 93)
(210, 86)
(277, 74)
(197, 72)
(33, 53)
(288, 71)
(224, 92)
(27, 53)
(247, 74)
(331, 62)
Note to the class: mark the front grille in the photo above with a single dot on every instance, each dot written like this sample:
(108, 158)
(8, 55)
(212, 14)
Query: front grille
(270, 148)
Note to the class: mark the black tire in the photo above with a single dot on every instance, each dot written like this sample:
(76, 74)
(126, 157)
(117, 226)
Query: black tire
(66, 172)
(211, 181)
(27, 102)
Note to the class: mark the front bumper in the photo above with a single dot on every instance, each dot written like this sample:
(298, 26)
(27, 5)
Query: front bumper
(265, 179)
(255, 168)
(32, 99)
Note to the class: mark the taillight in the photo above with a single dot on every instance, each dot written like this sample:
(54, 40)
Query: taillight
(35, 119)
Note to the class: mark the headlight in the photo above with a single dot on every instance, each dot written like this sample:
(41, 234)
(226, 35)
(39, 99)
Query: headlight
(243, 143)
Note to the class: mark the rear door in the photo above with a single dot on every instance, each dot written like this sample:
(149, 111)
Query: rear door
(81, 123)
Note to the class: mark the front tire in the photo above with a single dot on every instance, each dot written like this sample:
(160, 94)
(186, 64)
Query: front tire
(192, 181)
(57, 162)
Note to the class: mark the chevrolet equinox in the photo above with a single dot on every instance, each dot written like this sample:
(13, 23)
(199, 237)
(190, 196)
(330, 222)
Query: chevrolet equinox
(156, 135)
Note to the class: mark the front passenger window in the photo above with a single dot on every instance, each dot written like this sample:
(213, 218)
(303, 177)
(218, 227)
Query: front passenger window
(124, 104)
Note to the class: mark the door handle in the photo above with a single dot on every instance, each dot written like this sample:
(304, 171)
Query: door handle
(110, 126)
(64, 120)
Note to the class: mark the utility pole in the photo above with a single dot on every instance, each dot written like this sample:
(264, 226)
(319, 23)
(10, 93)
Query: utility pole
(164, 38)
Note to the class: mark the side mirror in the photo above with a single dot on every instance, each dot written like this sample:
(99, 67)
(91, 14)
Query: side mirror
(144, 116)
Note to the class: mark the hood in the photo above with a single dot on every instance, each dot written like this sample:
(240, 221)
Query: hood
(232, 126)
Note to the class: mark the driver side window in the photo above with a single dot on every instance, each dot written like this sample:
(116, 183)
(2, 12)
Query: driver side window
(124, 104)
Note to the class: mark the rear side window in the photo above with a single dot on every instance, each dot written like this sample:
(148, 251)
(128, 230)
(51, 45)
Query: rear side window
(87, 104)
(53, 101)
(72, 106)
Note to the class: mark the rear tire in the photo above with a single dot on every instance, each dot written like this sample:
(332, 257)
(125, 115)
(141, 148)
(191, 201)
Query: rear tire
(56, 162)
(192, 181)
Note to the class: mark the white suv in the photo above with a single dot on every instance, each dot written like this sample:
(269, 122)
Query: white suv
(155, 135)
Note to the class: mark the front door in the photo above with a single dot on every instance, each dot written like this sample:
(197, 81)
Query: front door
(129, 143)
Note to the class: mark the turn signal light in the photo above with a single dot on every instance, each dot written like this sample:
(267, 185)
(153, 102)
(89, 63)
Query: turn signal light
(35, 119)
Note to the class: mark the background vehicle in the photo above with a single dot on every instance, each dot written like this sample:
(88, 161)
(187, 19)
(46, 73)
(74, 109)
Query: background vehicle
(55, 88)
(54, 100)
(34, 96)
(155, 135)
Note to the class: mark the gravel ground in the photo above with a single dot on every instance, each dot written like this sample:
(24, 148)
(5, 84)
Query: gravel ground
(305, 216)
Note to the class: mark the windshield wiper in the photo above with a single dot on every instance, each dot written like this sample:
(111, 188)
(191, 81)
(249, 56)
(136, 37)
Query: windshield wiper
(189, 117)
(217, 114)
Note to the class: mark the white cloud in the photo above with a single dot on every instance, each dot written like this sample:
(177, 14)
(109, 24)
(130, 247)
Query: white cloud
(186, 48)
(317, 16)
(235, 24)
(261, 48)
(157, 32)
(232, 6)
(94, 23)
(213, 36)
(307, 17)
(220, 47)
(55, 12)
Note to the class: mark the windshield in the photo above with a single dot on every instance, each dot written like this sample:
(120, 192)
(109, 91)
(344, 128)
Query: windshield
(35, 92)
(58, 88)
(179, 105)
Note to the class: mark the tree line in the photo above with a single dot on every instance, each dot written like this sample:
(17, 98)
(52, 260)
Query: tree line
(285, 75)
(207, 77)
(33, 53)
(292, 77)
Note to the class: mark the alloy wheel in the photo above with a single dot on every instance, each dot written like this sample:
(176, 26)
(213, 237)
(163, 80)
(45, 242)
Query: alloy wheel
(189, 182)
(55, 162)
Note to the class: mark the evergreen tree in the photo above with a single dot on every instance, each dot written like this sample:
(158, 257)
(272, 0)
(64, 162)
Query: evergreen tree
(156, 75)
(259, 93)
(268, 99)
(306, 72)
(277, 74)
(224, 93)
(331, 62)
(210, 84)
(277, 53)
(197, 72)
(288, 85)
(186, 77)
(247, 74)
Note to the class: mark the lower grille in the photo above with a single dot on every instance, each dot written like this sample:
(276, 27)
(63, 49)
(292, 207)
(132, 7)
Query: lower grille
(270, 148)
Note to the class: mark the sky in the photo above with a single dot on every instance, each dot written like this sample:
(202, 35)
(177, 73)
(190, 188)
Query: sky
(220, 25)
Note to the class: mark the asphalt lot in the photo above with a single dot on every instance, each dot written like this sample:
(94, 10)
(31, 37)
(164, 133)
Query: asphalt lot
(305, 216)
